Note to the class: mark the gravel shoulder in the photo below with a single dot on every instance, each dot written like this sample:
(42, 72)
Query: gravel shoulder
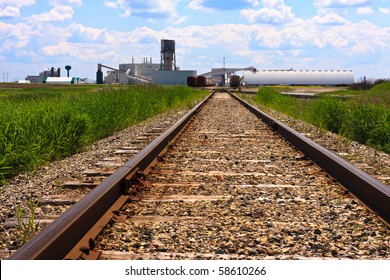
(48, 179)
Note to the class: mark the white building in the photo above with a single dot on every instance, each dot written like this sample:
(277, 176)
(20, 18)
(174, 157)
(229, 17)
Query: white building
(50, 72)
(61, 80)
(298, 77)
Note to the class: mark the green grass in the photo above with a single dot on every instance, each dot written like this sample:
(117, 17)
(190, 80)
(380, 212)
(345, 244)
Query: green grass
(364, 116)
(40, 124)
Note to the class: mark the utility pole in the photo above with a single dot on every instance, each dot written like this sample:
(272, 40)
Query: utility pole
(5, 77)
(224, 73)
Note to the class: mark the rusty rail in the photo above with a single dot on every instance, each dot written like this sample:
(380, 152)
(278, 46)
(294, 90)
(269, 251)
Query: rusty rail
(373, 193)
(59, 238)
(70, 236)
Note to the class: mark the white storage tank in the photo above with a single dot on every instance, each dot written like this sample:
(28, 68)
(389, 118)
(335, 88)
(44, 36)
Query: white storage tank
(298, 77)
(61, 80)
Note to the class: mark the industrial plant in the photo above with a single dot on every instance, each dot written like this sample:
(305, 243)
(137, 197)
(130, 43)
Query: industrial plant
(51, 72)
(168, 73)
(53, 76)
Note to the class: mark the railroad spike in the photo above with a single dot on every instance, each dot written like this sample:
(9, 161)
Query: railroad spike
(92, 244)
(85, 250)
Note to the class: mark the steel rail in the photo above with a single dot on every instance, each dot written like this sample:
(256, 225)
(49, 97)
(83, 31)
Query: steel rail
(373, 193)
(61, 236)
(56, 240)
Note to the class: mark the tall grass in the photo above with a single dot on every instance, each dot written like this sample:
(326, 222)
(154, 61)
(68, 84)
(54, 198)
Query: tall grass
(48, 124)
(328, 113)
(364, 118)
(270, 98)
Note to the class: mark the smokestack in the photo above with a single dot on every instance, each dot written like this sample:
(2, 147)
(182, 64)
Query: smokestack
(168, 57)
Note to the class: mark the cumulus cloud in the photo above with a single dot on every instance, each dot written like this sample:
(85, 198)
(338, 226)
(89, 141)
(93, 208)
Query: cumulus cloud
(384, 10)
(341, 3)
(351, 35)
(198, 6)
(216, 5)
(19, 3)
(364, 10)
(274, 36)
(66, 2)
(14, 36)
(329, 18)
(82, 33)
(178, 21)
(111, 4)
(58, 13)
(273, 11)
(11, 8)
(9, 12)
(145, 8)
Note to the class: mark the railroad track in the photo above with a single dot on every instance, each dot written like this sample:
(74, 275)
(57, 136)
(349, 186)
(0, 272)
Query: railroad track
(221, 184)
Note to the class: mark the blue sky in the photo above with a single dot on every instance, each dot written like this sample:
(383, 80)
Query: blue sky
(266, 34)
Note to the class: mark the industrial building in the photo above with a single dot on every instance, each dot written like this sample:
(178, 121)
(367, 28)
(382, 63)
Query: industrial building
(51, 72)
(298, 77)
(172, 77)
(222, 76)
(166, 72)
(52, 76)
(61, 80)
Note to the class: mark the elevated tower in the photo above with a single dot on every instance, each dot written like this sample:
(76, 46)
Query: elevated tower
(168, 57)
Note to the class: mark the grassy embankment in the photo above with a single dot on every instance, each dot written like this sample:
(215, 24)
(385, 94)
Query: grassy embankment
(364, 117)
(40, 124)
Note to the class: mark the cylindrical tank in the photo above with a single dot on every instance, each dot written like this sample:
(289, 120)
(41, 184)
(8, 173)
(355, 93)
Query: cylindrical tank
(299, 77)
(203, 81)
(99, 77)
(235, 81)
(191, 81)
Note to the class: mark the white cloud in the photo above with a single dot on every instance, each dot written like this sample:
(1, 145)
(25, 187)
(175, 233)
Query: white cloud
(359, 34)
(18, 3)
(58, 13)
(111, 4)
(15, 36)
(384, 10)
(66, 2)
(177, 21)
(329, 18)
(293, 42)
(362, 49)
(211, 6)
(11, 8)
(10, 11)
(82, 52)
(254, 3)
(364, 10)
(273, 11)
(341, 3)
(333, 38)
(145, 8)
(82, 33)
(198, 6)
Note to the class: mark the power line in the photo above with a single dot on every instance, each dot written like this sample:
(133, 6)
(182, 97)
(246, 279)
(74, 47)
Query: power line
(5, 77)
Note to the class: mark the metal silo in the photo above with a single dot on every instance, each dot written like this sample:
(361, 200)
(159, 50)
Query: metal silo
(168, 57)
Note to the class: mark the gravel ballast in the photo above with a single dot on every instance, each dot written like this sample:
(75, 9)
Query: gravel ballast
(326, 238)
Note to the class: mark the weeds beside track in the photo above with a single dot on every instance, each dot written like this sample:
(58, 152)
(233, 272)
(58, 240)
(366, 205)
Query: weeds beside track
(364, 118)
(42, 124)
